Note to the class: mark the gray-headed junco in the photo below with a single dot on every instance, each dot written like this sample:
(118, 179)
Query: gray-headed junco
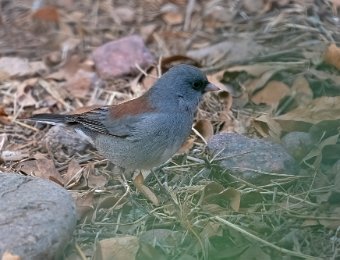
(144, 132)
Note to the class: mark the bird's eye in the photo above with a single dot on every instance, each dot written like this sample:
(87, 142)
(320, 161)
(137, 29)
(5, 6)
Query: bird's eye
(197, 85)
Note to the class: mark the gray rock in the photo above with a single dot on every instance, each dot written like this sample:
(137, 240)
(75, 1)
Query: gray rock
(250, 159)
(37, 217)
(61, 136)
(298, 144)
(118, 58)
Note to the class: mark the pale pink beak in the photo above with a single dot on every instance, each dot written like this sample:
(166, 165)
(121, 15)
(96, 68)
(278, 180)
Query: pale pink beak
(211, 87)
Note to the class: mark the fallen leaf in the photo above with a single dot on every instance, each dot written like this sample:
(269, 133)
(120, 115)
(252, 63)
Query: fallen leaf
(211, 229)
(303, 92)
(126, 14)
(262, 72)
(310, 223)
(12, 156)
(163, 237)
(324, 129)
(234, 197)
(57, 93)
(318, 110)
(324, 75)
(4, 75)
(84, 203)
(301, 86)
(180, 2)
(24, 93)
(173, 18)
(230, 123)
(96, 181)
(46, 14)
(238, 48)
(281, 2)
(226, 99)
(230, 251)
(170, 61)
(215, 193)
(255, 253)
(252, 85)
(147, 251)
(47, 170)
(331, 223)
(20, 67)
(68, 70)
(80, 83)
(205, 128)
(4, 119)
(336, 5)
(53, 58)
(42, 168)
(70, 44)
(271, 94)
(147, 30)
(144, 82)
(253, 6)
(317, 151)
(266, 126)
(212, 188)
(332, 56)
(108, 201)
(214, 209)
(118, 248)
(73, 174)
(255, 70)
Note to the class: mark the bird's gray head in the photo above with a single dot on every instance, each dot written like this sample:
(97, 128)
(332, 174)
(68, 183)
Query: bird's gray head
(181, 88)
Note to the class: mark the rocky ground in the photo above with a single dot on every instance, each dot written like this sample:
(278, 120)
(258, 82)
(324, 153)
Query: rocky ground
(257, 179)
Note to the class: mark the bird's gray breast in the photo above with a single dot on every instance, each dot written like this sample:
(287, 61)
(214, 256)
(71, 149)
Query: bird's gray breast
(153, 140)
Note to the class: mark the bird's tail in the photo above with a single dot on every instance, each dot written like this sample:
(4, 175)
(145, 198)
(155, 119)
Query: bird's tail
(49, 118)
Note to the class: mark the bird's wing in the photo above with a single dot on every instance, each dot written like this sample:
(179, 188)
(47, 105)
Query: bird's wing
(91, 120)
(119, 120)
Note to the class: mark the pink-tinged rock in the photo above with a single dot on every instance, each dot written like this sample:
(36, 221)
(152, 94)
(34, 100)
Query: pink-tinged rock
(120, 57)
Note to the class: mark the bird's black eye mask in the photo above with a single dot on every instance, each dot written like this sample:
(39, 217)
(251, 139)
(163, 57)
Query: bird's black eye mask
(200, 85)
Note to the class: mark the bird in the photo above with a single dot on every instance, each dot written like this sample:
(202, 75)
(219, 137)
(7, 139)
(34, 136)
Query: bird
(145, 132)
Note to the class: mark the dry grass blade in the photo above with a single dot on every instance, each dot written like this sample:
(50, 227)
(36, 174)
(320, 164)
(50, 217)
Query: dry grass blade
(54, 93)
(264, 242)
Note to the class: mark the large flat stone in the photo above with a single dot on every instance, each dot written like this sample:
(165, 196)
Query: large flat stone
(37, 217)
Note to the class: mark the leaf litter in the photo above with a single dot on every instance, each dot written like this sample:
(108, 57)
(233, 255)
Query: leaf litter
(277, 63)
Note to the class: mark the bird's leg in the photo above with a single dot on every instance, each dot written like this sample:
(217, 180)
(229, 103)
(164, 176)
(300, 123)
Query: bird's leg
(138, 181)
